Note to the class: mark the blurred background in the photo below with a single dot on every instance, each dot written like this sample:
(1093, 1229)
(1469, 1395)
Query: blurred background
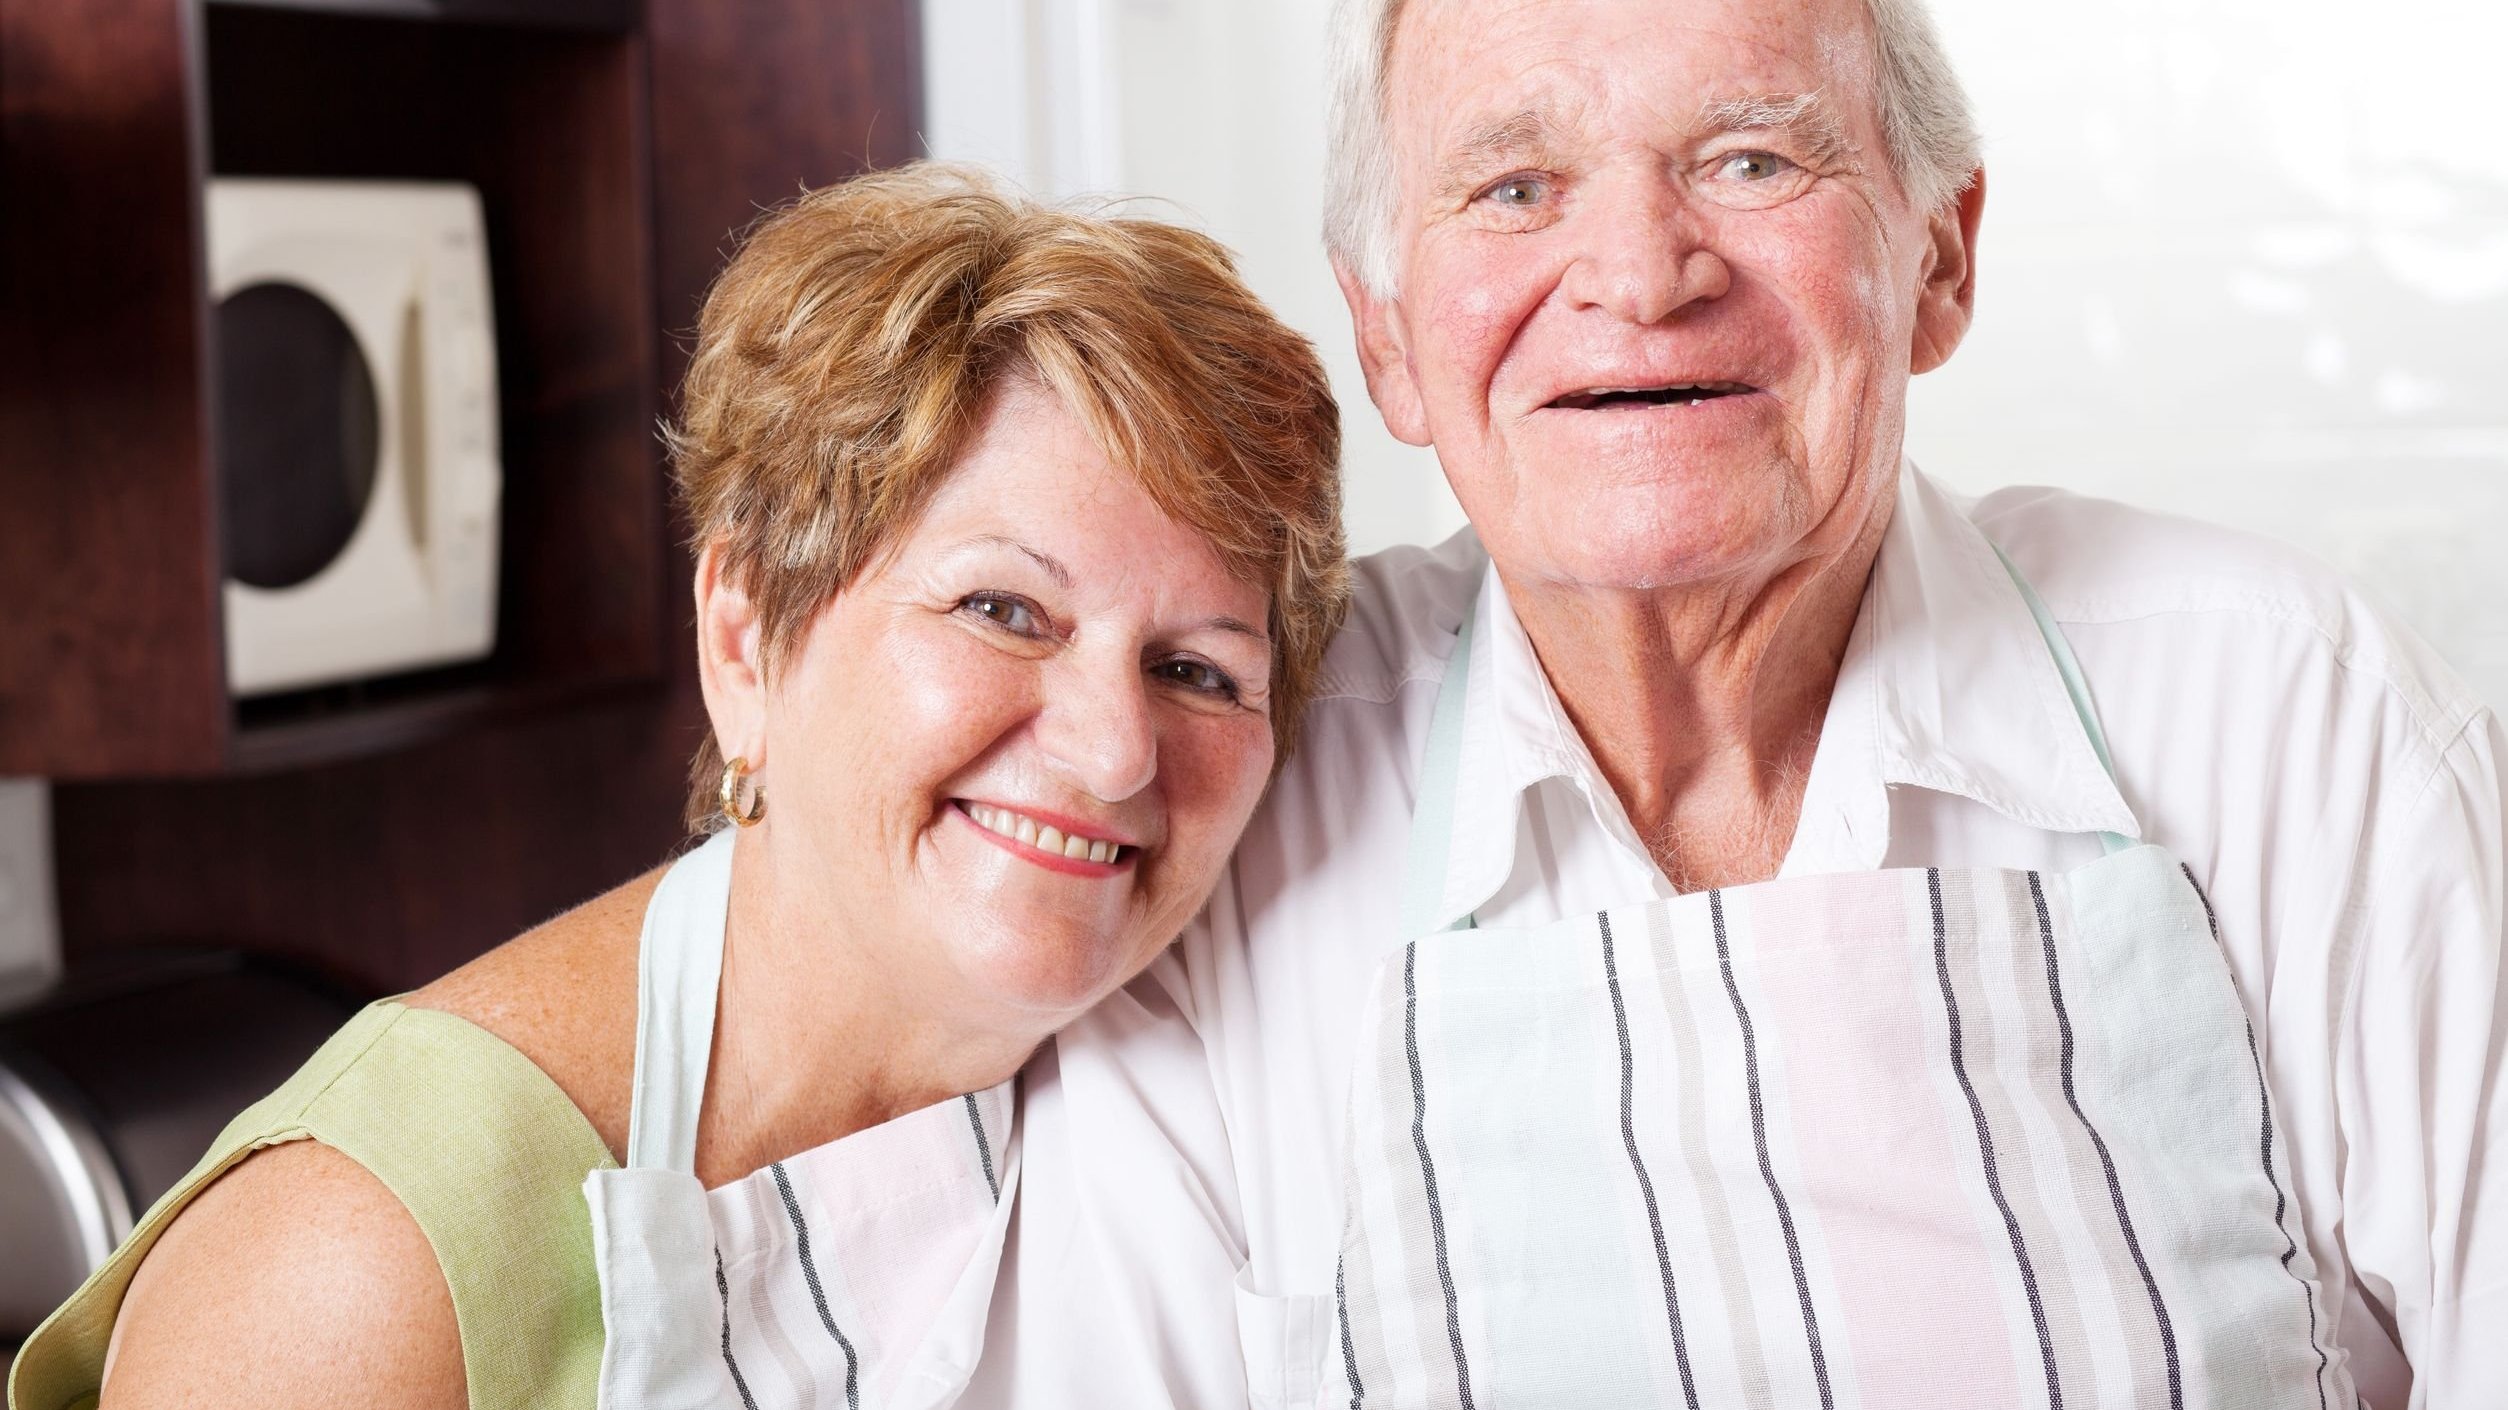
(343, 623)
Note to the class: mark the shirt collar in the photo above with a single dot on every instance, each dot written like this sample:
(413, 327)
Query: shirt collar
(1516, 734)
(1965, 695)
(1946, 685)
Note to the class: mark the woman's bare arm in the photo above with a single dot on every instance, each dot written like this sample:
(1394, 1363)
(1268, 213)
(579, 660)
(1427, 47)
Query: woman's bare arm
(296, 1280)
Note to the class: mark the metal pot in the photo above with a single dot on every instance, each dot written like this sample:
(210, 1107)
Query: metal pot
(115, 1084)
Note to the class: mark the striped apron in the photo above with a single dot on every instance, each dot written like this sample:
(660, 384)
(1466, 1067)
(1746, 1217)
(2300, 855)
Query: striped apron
(735, 1296)
(1907, 1138)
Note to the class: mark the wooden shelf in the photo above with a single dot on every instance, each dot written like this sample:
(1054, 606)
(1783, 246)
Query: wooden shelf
(594, 16)
(112, 654)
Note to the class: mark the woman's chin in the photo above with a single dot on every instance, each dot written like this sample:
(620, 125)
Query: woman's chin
(1043, 966)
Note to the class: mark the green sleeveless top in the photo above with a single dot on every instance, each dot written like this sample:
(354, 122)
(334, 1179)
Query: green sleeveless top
(482, 1148)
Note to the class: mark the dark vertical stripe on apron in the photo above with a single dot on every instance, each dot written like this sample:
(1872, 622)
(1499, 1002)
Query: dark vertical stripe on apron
(983, 1147)
(1428, 1171)
(2264, 1098)
(818, 1295)
(722, 1286)
(1767, 1167)
(1645, 1183)
(1349, 1352)
(2115, 1188)
(1985, 1143)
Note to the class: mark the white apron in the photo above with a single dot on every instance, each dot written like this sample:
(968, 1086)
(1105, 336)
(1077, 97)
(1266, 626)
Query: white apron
(1906, 1138)
(717, 1297)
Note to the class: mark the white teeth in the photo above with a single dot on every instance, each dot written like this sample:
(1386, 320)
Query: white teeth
(1042, 838)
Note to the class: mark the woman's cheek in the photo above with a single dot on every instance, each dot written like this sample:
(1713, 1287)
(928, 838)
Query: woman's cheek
(961, 692)
(1218, 779)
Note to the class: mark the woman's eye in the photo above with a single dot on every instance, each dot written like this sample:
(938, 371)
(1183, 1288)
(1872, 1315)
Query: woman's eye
(1011, 614)
(1755, 166)
(1198, 676)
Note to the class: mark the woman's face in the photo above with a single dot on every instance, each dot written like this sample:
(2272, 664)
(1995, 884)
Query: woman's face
(1016, 752)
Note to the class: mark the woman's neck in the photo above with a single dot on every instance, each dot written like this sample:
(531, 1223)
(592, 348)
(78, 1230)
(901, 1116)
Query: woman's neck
(818, 1035)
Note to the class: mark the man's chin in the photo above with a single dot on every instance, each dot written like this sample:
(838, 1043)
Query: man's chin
(1643, 524)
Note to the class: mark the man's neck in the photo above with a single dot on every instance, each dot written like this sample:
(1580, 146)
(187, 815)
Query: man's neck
(1702, 704)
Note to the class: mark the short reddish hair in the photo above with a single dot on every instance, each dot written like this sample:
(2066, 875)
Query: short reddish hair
(847, 354)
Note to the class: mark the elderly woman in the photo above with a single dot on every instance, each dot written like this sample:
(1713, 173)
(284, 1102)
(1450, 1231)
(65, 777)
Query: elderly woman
(1019, 546)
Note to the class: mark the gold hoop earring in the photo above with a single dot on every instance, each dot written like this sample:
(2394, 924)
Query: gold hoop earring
(733, 773)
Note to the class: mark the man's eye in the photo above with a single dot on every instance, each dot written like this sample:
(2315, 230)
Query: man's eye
(1519, 191)
(1011, 614)
(1198, 676)
(1755, 166)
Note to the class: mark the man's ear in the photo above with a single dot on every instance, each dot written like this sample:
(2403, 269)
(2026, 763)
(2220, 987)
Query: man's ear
(1949, 299)
(1377, 324)
(730, 668)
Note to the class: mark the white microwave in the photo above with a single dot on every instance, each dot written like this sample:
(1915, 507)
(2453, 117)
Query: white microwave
(355, 424)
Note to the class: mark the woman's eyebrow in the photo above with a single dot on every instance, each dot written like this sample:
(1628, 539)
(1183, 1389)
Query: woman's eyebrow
(1052, 565)
(1231, 624)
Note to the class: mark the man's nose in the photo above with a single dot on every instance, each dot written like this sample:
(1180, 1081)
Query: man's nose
(1643, 255)
(1096, 727)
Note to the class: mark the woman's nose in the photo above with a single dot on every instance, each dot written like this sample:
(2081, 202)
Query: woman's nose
(1642, 256)
(1097, 730)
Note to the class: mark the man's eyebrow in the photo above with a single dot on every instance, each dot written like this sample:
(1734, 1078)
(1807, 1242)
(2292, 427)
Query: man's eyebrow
(1807, 116)
(1052, 565)
(1516, 132)
(1522, 135)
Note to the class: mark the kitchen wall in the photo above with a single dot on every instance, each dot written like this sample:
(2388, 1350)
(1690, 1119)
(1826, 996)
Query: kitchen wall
(2243, 259)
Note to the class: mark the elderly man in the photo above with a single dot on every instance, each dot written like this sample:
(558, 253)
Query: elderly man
(1946, 885)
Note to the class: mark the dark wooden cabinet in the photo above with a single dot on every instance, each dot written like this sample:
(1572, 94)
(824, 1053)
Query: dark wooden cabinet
(388, 831)
(113, 114)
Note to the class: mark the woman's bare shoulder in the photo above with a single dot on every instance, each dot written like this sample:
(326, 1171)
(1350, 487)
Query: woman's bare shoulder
(295, 1279)
(564, 995)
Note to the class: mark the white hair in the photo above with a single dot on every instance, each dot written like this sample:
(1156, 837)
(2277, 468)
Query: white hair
(1925, 119)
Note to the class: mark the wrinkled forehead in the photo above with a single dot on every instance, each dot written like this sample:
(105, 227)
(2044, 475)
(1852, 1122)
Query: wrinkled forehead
(1460, 69)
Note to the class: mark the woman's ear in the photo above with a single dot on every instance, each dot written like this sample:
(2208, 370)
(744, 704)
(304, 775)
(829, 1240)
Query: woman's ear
(730, 667)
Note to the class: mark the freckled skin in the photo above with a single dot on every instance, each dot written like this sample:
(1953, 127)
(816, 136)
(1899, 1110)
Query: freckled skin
(902, 701)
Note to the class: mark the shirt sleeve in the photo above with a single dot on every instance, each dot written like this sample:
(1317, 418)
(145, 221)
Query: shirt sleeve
(2421, 1100)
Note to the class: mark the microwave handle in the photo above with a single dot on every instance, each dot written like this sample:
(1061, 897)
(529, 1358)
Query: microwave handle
(462, 477)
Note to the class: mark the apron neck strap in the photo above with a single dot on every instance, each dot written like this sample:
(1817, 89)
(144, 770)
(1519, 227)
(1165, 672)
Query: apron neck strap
(679, 972)
(1432, 817)
(2076, 685)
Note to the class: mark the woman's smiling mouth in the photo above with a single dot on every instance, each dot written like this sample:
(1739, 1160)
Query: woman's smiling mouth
(1056, 844)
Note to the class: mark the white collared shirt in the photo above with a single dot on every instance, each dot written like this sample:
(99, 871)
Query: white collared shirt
(2333, 787)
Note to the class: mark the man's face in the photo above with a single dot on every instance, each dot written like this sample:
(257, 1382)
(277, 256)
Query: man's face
(1659, 292)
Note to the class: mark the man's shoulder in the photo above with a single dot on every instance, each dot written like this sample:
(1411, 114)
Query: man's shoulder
(1405, 605)
(2099, 563)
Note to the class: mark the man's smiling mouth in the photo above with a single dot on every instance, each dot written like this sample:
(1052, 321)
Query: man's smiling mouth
(1677, 394)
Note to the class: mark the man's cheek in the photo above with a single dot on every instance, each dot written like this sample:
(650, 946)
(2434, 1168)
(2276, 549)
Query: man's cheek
(1475, 313)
